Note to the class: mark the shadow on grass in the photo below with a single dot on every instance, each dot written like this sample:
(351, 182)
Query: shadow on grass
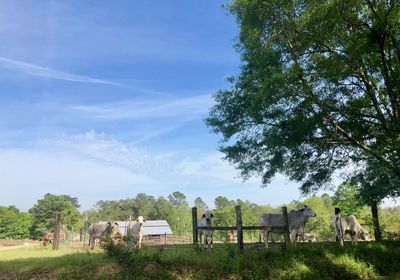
(71, 266)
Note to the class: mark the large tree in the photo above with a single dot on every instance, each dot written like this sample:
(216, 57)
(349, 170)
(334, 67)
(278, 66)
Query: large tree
(318, 92)
(43, 213)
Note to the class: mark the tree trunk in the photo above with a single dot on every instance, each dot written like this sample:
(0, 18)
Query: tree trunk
(375, 218)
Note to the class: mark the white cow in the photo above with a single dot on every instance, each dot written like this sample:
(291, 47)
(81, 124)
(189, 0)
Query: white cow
(206, 221)
(135, 232)
(349, 225)
(297, 220)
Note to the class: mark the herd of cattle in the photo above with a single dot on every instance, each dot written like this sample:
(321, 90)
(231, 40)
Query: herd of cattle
(101, 231)
(273, 223)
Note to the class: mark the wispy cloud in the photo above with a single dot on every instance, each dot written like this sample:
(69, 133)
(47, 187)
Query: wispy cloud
(94, 166)
(102, 148)
(189, 107)
(41, 71)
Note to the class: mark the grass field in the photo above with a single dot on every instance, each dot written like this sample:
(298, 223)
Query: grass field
(310, 261)
(67, 263)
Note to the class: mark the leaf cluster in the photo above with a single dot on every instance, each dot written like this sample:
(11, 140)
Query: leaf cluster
(318, 91)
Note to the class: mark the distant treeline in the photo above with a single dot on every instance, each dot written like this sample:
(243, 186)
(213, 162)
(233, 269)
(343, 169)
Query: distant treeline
(176, 210)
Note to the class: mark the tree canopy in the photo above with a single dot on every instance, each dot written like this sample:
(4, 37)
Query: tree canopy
(318, 92)
(13, 223)
(44, 211)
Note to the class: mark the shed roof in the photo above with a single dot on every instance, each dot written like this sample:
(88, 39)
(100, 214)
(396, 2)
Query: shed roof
(150, 227)
(156, 227)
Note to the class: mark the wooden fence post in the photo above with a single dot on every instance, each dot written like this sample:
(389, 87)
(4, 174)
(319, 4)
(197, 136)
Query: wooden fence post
(286, 226)
(56, 231)
(80, 234)
(194, 226)
(337, 212)
(239, 228)
(85, 231)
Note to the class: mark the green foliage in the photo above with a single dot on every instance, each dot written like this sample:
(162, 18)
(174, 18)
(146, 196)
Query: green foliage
(347, 199)
(178, 199)
(321, 225)
(222, 202)
(200, 204)
(13, 223)
(179, 217)
(175, 210)
(318, 92)
(43, 213)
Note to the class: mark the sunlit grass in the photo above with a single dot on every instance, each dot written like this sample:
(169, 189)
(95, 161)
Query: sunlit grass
(312, 261)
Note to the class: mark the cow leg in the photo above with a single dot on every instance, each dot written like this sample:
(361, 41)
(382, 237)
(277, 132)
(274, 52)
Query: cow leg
(199, 241)
(92, 242)
(265, 236)
(140, 241)
(341, 237)
(353, 239)
(205, 241)
(211, 242)
(293, 236)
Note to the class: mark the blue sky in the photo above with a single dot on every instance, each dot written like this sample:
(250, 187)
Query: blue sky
(104, 100)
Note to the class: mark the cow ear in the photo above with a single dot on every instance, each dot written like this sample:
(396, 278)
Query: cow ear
(116, 224)
(212, 215)
(203, 216)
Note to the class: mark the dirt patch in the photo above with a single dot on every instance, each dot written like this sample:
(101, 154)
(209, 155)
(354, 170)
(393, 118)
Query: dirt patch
(37, 275)
(108, 269)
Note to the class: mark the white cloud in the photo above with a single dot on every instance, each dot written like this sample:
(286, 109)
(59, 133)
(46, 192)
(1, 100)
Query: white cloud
(210, 165)
(37, 70)
(191, 107)
(94, 166)
(102, 149)
(28, 174)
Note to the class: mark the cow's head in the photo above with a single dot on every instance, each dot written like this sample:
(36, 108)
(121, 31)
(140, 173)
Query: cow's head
(140, 220)
(207, 216)
(307, 211)
(112, 229)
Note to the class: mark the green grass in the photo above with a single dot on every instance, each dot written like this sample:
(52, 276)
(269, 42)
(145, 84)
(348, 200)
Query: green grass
(305, 261)
(66, 263)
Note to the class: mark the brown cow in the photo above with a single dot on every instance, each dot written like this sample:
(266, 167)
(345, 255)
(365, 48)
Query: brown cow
(48, 237)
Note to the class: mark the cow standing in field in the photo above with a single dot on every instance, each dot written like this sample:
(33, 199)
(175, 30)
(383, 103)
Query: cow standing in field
(349, 225)
(102, 231)
(206, 221)
(297, 220)
(135, 232)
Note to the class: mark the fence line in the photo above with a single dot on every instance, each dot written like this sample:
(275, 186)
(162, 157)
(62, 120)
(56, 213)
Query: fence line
(240, 228)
